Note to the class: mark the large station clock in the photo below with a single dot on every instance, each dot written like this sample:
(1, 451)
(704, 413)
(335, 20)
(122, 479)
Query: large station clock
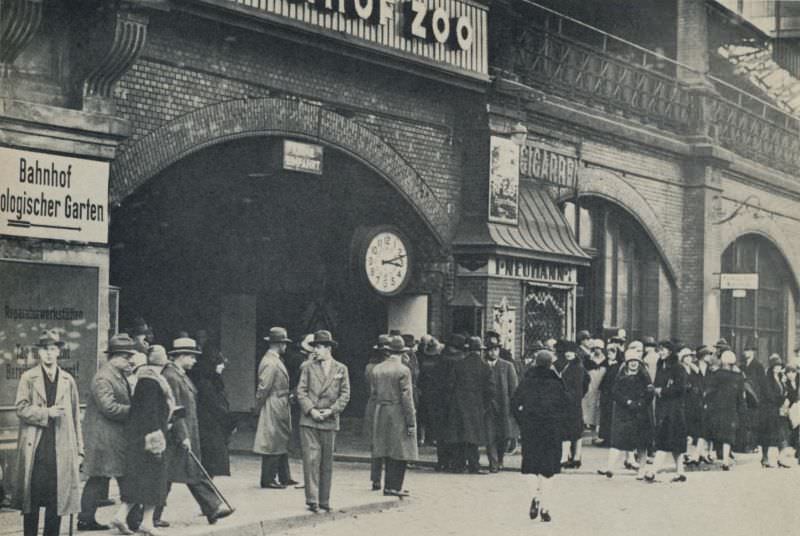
(386, 260)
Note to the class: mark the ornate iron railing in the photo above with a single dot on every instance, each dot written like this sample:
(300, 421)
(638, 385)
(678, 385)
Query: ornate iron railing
(574, 60)
(557, 64)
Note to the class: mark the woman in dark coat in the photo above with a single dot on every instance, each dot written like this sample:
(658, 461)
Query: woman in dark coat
(670, 384)
(695, 390)
(792, 384)
(726, 403)
(607, 394)
(540, 405)
(145, 481)
(773, 408)
(632, 428)
(213, 413)
(576, 380)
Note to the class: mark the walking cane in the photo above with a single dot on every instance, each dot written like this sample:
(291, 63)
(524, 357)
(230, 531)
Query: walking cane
(211, 482)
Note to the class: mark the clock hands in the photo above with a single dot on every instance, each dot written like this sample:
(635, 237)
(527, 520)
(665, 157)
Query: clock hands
(393, 260)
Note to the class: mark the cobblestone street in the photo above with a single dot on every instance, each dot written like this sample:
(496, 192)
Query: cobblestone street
(711, 502)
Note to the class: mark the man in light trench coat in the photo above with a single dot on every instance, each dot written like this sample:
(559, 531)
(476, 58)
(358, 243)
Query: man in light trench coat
(49, 423)
(274, 430)
(394, 430)
(104, 425)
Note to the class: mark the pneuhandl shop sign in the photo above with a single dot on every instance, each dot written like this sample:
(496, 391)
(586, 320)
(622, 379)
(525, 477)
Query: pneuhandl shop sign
(50, 196)
(443, 31)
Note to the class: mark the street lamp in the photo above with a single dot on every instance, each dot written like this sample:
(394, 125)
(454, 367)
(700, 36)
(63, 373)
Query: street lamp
(519, 133)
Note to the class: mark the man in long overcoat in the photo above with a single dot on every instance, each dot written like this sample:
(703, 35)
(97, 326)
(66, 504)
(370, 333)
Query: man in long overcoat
(394, 431)
(448, 454)
(184, 438)
(49, 422)
(755, 378)
(500, 424)
(472, 393)
(322, 393)
(274, 431)
(104, 426)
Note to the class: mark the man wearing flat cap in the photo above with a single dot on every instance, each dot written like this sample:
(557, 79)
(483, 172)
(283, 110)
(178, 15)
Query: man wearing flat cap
(104, 428)
(274, 430)
(323, 393)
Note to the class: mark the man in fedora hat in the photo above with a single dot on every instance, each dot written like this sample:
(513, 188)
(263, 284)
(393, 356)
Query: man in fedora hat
(755, 378)
(274, 431)
(185, 434)
(104, 428)
(394, 431)
(377, 356)
(472, 390)
(323, 393)
(500, 424)
(429, 352)
(448, 455)
(50, 441)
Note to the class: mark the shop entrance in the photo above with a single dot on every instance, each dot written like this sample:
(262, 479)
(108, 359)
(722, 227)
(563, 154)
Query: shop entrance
(227, 241)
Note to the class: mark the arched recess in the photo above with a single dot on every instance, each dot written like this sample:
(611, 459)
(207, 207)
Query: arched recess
(609, 186)
(768, 229)
(234, 119)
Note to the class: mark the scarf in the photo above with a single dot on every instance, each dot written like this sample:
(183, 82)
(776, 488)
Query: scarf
(154, 373)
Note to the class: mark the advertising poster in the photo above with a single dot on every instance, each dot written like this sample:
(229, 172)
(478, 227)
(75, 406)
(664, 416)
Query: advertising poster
(504, 181)
(37, 297)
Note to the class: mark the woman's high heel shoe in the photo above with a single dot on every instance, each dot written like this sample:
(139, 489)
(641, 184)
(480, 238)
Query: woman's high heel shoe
(534, 511)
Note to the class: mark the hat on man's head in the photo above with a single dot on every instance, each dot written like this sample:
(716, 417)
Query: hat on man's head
(492, 340)
(49, 337)
(774, 361)
(749, 346)
(183, 346)
(324, 337)
(703, 351)
(567, 347)
(393, 332)
(582, 336)
(457, 342)
(722, 344)
(408, 339)
(649, 342)
(685, 352)
(140, 327)
(121, 343)
(667, 345)
(157, 355)
(396, 345)
(278, 335)
(475, 344)
(543, 358)
(491, 333)
(727, 358)
(383, 342)
(620, 336)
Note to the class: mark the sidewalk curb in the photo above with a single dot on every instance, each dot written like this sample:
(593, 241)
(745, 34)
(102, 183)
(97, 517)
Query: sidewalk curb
(271, 526)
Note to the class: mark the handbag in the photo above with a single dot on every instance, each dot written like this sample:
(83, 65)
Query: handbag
(155, 442)
(794, 414)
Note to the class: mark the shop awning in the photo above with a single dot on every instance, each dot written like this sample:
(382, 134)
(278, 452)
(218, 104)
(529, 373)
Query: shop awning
(543, 232)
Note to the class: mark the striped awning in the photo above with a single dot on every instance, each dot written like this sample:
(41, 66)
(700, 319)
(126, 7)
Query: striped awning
(543, 232)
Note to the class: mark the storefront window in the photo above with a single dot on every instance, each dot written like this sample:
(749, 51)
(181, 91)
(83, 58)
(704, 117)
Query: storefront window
(760, 316)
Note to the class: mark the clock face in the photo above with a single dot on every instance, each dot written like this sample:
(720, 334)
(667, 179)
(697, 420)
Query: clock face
(386, 262)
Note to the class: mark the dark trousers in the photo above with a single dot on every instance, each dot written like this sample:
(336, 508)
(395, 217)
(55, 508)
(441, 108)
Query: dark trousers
(95, 490)
(376, 470)
(203, 494)
(496, 451)
(395, 474)
(472, 456)
(52, 522)
(457, 456)
(275, 466)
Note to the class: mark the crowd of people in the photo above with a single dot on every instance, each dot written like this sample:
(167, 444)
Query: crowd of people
(156, 417)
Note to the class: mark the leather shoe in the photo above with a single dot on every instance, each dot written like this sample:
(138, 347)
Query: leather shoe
(274, 485)
(290, 482)
(376, 486)
(160, 524)
(546, 516)
(92, 525)
(313, 507)
(221, 512)
(326, 507)
(534, 510)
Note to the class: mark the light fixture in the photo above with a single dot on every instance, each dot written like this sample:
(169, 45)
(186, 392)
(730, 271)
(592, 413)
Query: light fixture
(519, 133)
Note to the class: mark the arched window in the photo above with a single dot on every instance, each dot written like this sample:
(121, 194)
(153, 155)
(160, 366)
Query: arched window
(626, 285)
(756, 317)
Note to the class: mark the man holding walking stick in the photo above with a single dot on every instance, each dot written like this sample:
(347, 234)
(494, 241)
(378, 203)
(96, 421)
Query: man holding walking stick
(182, 463)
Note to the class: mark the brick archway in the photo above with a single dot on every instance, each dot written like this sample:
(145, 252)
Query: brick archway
(225, 121)
(608, 186)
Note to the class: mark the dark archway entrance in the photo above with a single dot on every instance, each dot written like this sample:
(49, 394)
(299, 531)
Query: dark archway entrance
(225, 241)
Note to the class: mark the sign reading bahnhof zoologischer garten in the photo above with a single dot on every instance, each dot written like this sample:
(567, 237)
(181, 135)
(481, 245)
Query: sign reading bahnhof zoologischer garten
(50, 196)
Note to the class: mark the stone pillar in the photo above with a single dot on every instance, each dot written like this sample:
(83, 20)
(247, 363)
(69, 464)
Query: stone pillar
(698, 293)
(692, 43)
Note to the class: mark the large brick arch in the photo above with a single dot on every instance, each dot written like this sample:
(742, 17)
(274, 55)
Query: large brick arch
(769, 230)
(234, 119)
(609, 186)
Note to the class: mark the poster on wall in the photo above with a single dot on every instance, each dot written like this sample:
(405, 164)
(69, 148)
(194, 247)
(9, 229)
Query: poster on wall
(38, 297)
(504, 181)
(504, 322)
